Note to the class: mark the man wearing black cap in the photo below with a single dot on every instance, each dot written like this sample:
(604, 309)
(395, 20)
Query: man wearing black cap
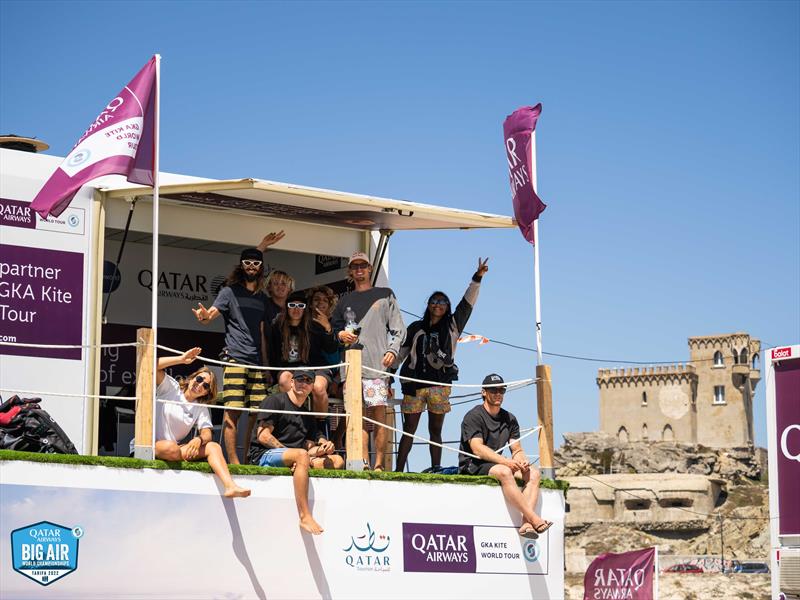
(485, 431)
(243, 306)
(292, 440)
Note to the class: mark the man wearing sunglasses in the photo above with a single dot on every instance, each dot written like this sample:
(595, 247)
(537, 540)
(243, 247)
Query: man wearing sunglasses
(376, 325)
(485, 430)
(291, 439)
(243, 306)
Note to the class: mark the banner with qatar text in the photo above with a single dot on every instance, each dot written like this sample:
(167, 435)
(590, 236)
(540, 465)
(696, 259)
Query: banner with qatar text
(625, 575)
(518, 131)
(121, 141)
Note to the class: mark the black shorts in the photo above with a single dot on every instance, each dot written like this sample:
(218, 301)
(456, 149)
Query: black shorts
(479, 469)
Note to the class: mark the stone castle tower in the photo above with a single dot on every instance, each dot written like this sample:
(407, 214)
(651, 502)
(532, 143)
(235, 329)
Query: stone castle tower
(707, 401)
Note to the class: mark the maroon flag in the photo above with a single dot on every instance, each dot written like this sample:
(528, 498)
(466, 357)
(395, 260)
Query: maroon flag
(626, 575)
(121, 140)
(517, 130)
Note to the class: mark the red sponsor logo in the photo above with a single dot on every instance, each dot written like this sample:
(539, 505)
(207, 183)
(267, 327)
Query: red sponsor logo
(781, 353)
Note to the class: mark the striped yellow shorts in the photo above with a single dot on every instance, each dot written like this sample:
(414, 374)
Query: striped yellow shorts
(241, 385)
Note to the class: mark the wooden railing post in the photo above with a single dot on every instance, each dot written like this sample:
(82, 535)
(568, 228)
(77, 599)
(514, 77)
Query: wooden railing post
(143, 432)
(352, 406)
(544, 402)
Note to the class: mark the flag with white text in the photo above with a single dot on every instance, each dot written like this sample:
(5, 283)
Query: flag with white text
(626, 575)
(121, 141)
(518, 131)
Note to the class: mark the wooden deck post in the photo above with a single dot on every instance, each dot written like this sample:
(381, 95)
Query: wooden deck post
(143, 433)
(544, 402)
(352, 406)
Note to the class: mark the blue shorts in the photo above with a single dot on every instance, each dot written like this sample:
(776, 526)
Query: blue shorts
(272, 458)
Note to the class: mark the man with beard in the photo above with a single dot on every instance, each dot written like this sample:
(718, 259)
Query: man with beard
(243, 306)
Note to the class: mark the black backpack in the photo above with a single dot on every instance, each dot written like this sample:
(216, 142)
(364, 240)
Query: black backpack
(31, 428)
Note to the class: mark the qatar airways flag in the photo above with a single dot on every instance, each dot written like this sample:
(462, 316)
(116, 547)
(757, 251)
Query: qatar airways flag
(627, 575)
(518, 130)
(120, 141)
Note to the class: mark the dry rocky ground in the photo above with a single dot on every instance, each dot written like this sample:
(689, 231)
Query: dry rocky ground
(704, 586)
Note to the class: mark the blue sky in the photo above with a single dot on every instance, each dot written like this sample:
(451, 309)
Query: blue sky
(668, 150)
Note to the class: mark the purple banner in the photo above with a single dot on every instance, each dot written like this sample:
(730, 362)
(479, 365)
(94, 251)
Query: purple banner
(41, 300)
(120, 140)
(787, 422)
(625, 575)
(14, 213)
(433, 548)
(517, 130)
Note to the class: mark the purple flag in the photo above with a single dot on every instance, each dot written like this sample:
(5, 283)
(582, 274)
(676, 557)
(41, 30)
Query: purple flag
(121, 140)
(517, 130)
(625, 575)
(787, 432)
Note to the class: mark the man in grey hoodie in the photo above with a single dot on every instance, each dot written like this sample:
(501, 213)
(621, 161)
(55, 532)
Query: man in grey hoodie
(371, 317)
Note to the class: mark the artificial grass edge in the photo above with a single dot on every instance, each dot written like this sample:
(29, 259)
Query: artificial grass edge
(118, 462)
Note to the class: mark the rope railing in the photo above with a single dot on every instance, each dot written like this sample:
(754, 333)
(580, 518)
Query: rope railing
(519, 382)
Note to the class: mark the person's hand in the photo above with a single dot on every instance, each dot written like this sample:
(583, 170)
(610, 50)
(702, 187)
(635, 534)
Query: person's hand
(522, 461)
(321, 318)
(483, 267)
(388, 359)
(511, 464)
(347, 338)
(192, 449)
(201, 313)
(271, 239)
(325, 448)
(190, 355)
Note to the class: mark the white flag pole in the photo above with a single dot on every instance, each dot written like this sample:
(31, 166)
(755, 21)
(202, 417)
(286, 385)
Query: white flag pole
(537, 296)
(655, 581)
(155, 271)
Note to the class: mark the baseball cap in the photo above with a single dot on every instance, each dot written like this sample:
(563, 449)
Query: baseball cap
(251, 254)
(493, 379)
(358, 256)
(307, 373)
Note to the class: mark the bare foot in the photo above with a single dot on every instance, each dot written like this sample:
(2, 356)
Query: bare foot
(236, 492)
(310, 525)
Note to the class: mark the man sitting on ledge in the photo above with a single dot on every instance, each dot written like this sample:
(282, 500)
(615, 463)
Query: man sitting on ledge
(488, 426)
(292, 440)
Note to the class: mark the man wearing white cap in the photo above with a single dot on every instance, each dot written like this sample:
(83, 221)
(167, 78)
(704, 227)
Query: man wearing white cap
(371, 317)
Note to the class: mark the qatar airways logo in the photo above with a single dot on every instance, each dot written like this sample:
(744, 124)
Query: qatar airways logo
(785, 442)
(104, 117)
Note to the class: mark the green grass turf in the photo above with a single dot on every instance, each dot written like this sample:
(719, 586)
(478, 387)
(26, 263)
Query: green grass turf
(117, 462)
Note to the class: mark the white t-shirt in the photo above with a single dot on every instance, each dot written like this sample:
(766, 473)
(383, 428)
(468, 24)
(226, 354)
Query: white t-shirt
(175, 421)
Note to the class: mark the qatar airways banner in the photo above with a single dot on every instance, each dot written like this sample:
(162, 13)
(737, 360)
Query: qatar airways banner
(627, 575)
(787, 420)
(120, 140)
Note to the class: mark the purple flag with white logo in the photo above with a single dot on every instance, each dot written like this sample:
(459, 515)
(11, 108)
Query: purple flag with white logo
(518, 130)
(121, 140)
(624, 575)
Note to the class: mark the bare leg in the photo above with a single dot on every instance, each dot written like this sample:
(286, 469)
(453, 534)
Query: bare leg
(300, 460)
(229, 420)
(251, 421)
(334, 461)
(410, 423)
(531, 490)
(212, 452)
(285, 381)
(513, 495)
(378, 413)
(320, 394)
(435, 423)
(168, 450)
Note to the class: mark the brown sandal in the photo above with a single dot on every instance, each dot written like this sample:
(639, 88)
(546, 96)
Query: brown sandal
(543, 527)
(528, 532)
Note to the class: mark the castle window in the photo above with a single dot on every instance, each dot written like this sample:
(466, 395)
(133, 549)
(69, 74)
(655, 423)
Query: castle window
(667, 434)
(637, 504)
(644, 398)
(719, 394)
(743, 356)
(675, 502)
(735, 356)
(718, 360)
(622, 435)
(755, 362)
(644, 431)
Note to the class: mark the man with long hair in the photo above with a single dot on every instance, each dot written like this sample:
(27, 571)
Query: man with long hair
(243, 306)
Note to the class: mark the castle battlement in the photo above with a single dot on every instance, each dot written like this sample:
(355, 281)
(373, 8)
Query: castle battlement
(658, 375)
(735, 340)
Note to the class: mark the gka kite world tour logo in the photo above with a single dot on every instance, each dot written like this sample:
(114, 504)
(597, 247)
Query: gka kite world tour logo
(366, 552)
(45, 551)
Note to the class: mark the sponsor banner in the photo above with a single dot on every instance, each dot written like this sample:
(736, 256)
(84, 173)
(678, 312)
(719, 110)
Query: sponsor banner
(17, 213)
(440, 548)
(44, 551)
(324, 263)
(787, 421)
(625, 575)
(41, 300)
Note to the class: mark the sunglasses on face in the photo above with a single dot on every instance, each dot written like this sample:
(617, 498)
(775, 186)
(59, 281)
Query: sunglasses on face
(359, 266)
(438, 302)
(252, 263)
(496, 391)
(201, 380)
(302, 380)
(295, 304)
